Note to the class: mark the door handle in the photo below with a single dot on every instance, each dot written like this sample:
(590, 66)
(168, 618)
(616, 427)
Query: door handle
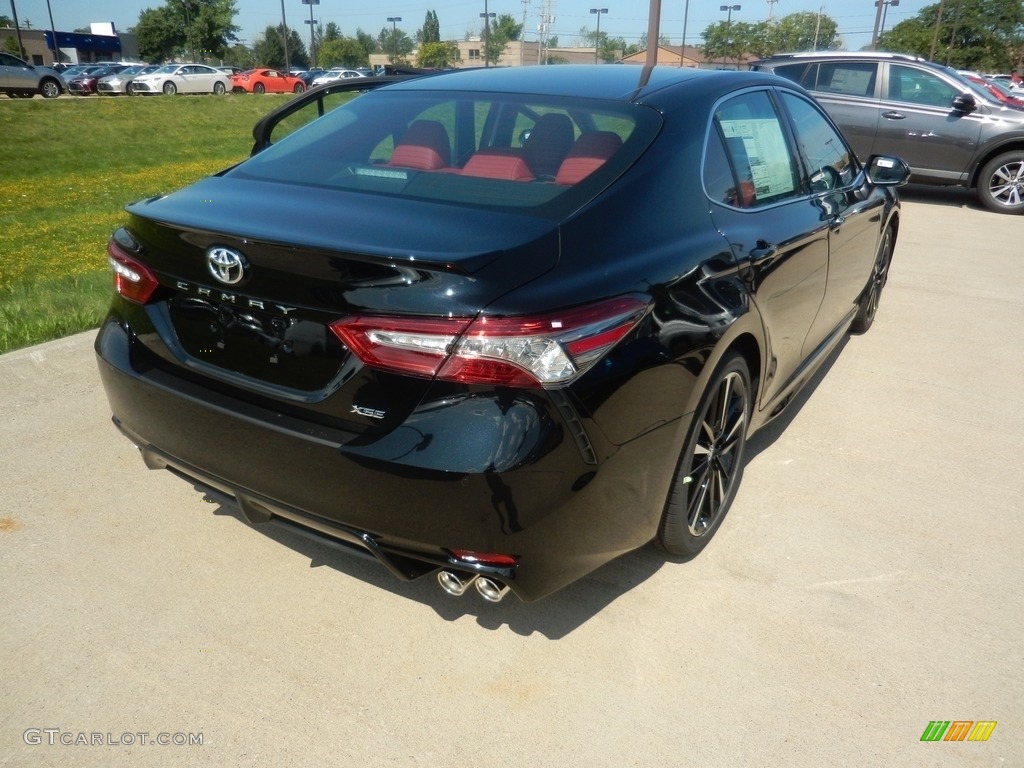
(893, 115)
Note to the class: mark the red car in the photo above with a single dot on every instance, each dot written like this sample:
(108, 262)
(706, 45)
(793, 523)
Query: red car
(994, 90)
(267, 81)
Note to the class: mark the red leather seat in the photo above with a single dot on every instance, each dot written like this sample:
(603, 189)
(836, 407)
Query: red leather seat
(589, 153)
(424, 146)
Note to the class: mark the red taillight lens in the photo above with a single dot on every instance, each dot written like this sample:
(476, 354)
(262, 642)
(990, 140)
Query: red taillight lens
(484, 558)
(546, 350)
(132, 279)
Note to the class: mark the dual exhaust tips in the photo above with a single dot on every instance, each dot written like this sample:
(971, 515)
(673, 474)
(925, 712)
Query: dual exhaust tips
(456, 584)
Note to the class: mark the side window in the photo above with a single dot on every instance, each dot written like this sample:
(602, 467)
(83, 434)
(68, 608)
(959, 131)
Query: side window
(850, 78)
(719, 182)
(805, 74)
(755, 144)
(827, 158)
(918, 87)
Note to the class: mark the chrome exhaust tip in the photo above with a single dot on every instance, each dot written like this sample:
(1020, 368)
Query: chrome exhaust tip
(490, 590)
(453, 583)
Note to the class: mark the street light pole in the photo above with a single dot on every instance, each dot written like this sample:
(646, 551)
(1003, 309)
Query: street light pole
(597, 40)
(487, 34)
(686, 16)
(728, 19)
(394, 37)
(885, 12)
(311, 22)
(284, 40)
(188, 27)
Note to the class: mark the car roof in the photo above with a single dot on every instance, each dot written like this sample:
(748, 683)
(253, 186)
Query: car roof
(621, 82)
(845, 55)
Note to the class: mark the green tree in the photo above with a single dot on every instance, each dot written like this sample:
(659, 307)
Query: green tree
(331, 32)
(162, 34)
(437, 55)
(6, 21)
(241, 55)
(504, 29)
(803, 31)
(178, 27)
(985, 35)
(269, 50)
(343, 52)
(430, 32)
(609, 49)
(366, 41)
(395, 43)
(11, 46)
(725, 42)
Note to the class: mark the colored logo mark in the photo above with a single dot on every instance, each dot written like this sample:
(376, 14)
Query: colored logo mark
(958, 730)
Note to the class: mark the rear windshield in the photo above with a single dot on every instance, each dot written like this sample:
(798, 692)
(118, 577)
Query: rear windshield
(530, 154)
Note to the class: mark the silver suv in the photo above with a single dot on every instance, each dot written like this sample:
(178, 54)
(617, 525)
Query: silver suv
(889, 103)
(20, 79)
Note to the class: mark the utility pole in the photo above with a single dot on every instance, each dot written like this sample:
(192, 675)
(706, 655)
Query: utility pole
(935, 37)
(878, 23)
(284, 40)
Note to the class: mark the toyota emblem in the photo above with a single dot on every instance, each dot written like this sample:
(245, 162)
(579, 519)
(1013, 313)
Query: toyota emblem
(226, 265)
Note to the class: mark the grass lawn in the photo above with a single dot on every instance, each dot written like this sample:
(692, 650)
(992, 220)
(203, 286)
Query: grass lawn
(68, 166)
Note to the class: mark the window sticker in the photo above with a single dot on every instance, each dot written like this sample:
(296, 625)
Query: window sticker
(767, 153)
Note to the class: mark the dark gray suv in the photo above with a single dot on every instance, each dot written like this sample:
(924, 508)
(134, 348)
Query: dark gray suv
(889, 103)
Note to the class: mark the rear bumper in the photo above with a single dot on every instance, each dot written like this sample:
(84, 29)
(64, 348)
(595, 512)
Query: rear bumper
(559, 514)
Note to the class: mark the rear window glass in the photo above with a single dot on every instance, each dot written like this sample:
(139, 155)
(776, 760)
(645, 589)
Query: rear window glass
(849, 78)
(526, 153)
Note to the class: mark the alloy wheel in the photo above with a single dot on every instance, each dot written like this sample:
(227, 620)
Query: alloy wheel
(717, 453)
(1007, 183)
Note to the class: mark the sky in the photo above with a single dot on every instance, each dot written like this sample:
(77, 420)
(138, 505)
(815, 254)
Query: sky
(625, 18)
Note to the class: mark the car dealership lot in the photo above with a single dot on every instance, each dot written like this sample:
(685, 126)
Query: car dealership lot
(865, 583)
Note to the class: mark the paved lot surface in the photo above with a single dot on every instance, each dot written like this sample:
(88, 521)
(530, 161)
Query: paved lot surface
(867, 581)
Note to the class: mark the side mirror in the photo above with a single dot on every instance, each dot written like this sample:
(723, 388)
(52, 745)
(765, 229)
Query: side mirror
(886, 171)
(964, 103)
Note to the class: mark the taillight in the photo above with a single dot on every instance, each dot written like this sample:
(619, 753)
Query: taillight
(132, 279)
(546, 350)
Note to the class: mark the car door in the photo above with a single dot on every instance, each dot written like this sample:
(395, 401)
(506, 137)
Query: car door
(194, 78)
(917, 122)
(14, 73)
(778, 233)
(832, 176)
(848, 90)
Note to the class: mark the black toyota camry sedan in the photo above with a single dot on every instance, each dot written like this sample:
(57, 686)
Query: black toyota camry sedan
(499, 325)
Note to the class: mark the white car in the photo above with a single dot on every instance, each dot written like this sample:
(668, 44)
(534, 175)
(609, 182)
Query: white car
(121, 82)
(335, 75)
(183, 78)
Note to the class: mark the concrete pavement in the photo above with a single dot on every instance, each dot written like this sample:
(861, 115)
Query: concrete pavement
(866, 582)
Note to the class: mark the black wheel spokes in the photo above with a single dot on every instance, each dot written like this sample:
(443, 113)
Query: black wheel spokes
(716, 453)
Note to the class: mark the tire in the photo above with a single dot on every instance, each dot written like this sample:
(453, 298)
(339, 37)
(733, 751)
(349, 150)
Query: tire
(49, 89)
(219, 89)
(259, 88)
(1001, 183)
(867, 307)
(711, 463)
(170, 88)
(299, 88)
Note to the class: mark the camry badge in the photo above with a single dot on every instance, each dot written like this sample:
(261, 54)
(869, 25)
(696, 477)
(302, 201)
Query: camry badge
(226, 265)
